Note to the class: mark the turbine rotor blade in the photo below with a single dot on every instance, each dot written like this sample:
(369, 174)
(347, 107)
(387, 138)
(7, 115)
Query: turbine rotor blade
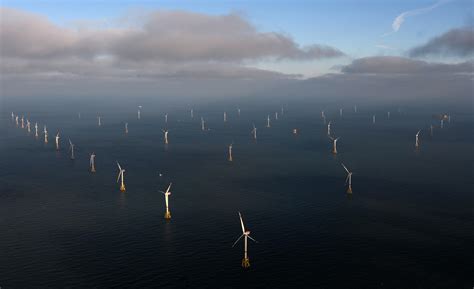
(237, 240)
(242, 223)
(252, 239)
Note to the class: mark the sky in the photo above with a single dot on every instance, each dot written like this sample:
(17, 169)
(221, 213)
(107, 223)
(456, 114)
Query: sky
(246, 39)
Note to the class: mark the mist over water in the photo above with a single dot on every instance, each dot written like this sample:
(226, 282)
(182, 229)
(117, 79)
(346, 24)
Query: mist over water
(408, 223)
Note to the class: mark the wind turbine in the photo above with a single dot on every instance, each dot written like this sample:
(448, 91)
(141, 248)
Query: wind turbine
(120, 177)
(323, 116)
(334, 144)
(57, 141)
(388, 114)
(355, 108)
(99, 122)
(417, 140)
(268, 120)
(254, 132)
(373, 119)
(203, 127)
(126, 127)
(45, 134)
(192, 113)
(329, 128)
(230, 152)
(139, 112)
(340, 112)
(238, 111)
(22, 122)
(167, 193)
(13, 116)
(92, 162)
(431, 130)
(166, 118)
(225, 116)
(28, 125)
(282, 110)
(16, 120)
(348, 179)
(442, 123)
(276, 115)
(165, 131)
(71, 148)
(246, 235)
(36, 129)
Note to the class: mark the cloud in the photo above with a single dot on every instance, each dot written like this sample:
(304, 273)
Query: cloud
(401, 65)
(455, 42)
(398, 21)
(164, 36)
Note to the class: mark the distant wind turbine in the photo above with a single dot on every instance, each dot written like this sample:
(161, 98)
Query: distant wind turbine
(203, 124)
(417, 140)
(139, 112)
(225, 116)
(254, 132)
(120, 178)
(246, 235)
(28, 125)
(334, 144)
(373, 119)
(22, 122)
(71, 148)
(268, 120)
(45, 130)
(57, 141)
(230, 152)
(167, 193)
(92, 162)
(99, 121)
(276, 115)
(165, 132)
(329, 128)
(126, 127)
(36, 129)
(348, 179)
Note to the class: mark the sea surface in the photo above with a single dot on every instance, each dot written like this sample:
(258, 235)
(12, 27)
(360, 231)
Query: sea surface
(408, 223)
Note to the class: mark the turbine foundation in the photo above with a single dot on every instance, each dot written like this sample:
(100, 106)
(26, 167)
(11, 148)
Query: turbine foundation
(245, 262)
(168, 215)
(349, 190)
(122, 188)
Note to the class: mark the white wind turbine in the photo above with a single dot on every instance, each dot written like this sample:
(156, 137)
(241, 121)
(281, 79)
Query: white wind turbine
(92, 162)
(45, 130)
(230, 152)
(329, 128)
(388, 114)
(431, 130)
(323, 116)
(165, 132)
(373, 119)
(355, 108)
(139, 112)
(417, 140)
(166, 118)
(28, 125)
(126, 127)
(16, 120)
(225, 116)
(442, 123)
(71, 148)
(340, 112)
(120, 177)
(57, 141)
(36, 129)
(203, 124)
(276, 115)
(13, 116)
(282, 110)
(268, 120)
(238, 111)
(348, 179)
(99, 121)
(254, 132)
(334, 144)
(167, 193)
(192, 113)
(22, 122)
(246, 235)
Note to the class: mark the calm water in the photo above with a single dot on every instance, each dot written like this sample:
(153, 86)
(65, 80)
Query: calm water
(408, 224)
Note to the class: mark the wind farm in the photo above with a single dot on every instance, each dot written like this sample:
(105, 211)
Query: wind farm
(272, 110)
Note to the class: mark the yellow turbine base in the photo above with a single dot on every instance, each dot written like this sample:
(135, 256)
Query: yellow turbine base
(245, 262)
(122, 188)
(349, 190)
(334, 152)
(167, 215)
(93, 170)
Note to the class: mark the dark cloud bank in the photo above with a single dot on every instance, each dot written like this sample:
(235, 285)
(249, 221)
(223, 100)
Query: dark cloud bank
(182, 55)
(455, 42)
